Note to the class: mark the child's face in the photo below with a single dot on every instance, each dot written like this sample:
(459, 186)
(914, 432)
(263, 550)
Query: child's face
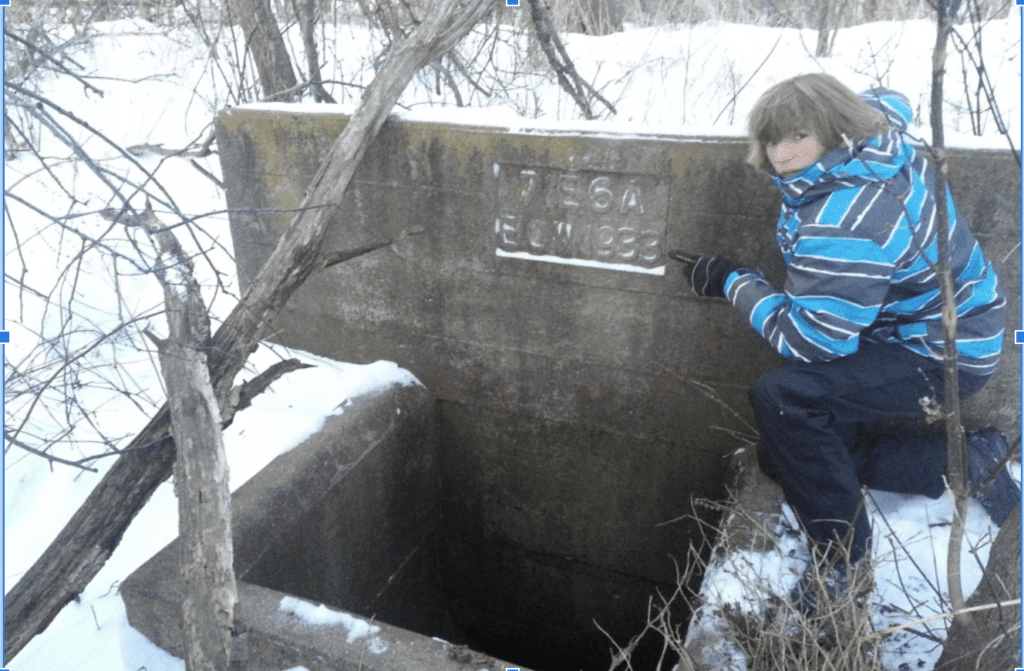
(795, 152)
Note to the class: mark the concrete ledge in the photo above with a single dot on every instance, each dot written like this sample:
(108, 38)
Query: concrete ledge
(280, 640)
(348, 518)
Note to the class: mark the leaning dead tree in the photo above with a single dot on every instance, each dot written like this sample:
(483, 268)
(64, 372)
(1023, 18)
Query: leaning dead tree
(92, 534)
(210, 601)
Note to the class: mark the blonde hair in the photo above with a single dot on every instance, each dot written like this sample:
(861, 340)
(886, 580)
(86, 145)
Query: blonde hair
(817, 103)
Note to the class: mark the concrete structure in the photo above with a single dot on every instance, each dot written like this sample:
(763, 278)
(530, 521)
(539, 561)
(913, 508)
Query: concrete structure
(528, 288)
(350, 518)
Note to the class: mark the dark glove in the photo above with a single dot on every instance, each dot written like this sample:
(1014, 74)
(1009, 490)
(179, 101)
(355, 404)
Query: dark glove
(707, 274)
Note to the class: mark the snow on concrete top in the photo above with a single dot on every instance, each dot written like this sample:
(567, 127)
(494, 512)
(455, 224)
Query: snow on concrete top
(322, 616)
(503, 119)
(506, 120)
(297, 405)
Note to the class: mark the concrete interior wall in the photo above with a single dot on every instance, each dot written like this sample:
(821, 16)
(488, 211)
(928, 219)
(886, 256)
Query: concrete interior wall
(527, 287)
(349, 518)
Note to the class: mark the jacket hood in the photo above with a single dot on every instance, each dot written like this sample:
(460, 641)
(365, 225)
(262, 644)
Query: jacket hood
(860, 162)
(872, 160)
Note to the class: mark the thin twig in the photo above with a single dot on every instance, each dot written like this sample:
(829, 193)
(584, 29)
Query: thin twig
(710, 393)
(949, 615)
(28, 448)
(53, 60)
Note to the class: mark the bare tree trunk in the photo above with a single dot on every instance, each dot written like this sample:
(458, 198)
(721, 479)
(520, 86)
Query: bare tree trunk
(821, 49)
(201, 470)
(306, 11)
(870, 11)
(560, 62)
(602, 17)
(988, 639)
(829, 13)
(263, 38)
(85, 543)
(385, 15)
(994, 640)
(954, 429)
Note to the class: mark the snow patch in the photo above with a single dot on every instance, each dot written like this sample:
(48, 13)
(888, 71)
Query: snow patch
(298, 404)
(322, 616)
(660, 270)
(741, 578)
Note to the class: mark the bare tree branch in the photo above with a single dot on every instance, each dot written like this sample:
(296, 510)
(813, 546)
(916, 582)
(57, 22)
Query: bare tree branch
(83, 546)
(560, 62)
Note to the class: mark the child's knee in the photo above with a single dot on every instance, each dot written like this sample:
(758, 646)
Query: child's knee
(768, 391)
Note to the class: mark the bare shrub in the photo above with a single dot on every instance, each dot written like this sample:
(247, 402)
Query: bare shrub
(757, 627)
(834, 638)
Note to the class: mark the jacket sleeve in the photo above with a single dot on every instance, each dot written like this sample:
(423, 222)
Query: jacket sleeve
(835, 286)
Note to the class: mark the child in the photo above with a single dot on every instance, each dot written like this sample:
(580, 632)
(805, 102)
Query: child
(858, 320)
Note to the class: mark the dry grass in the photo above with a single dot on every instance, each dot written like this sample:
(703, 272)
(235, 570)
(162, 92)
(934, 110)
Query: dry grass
(834, 638)
(771, 634)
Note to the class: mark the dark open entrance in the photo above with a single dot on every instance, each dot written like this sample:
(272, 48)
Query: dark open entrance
(407, 544)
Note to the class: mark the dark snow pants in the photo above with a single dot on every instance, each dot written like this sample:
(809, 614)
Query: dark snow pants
(821, 441)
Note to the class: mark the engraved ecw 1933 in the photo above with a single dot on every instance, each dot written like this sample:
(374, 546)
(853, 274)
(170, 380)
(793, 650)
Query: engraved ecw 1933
(582, 217)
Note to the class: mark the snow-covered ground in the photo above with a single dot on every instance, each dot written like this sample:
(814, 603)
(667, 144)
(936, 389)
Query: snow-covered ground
(159, 87)
(93, 634)
(911, 534)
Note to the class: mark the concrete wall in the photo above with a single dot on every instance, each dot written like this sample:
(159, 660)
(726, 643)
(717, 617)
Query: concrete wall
(528, 289)
(349, 518)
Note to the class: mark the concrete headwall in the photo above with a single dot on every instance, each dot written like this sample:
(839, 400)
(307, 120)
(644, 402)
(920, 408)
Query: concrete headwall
(528, 288)
(348, 518)
(337, 519)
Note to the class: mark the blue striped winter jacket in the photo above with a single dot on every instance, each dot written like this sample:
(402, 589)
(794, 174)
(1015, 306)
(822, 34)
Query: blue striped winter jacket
(858, 234)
